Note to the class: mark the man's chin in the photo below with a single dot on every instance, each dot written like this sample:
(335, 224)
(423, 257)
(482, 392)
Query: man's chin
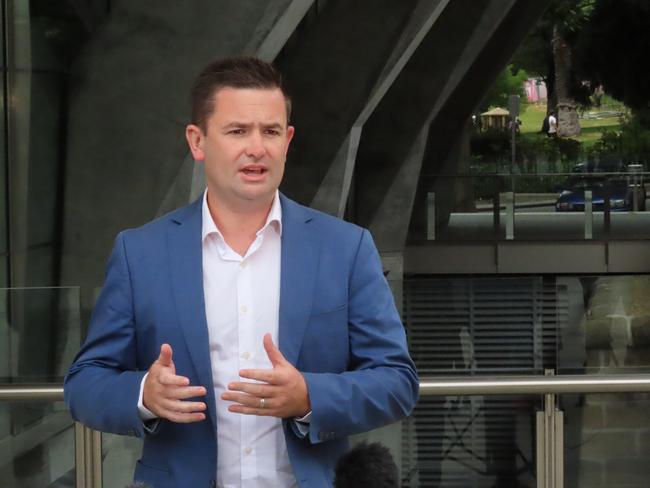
(257, 195)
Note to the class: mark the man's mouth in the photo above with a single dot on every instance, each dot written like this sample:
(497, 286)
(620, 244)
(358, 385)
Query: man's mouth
(254, 172)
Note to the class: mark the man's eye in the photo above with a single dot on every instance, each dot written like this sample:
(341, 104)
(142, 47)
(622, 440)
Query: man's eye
(236, 131)
(272, 132)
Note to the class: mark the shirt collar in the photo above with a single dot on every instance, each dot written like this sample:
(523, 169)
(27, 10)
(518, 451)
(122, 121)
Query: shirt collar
(273, 219)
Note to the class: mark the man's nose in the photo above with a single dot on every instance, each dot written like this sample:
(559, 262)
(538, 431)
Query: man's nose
(255, 146)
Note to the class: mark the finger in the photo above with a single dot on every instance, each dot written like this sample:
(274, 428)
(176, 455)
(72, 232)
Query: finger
(185, 418)
(273, 353)
(244, 410)
(248, 400)
(255, 389)
(169, 379)
(179, 406)
(165, 357)
(265, 375)
(181, 393)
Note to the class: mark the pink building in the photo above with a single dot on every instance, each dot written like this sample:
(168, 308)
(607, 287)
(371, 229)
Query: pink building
(535, 90)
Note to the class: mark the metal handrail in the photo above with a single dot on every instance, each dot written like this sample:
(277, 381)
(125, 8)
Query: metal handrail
(88, 449)
(46, 392)
(533, 385)
(432, 386)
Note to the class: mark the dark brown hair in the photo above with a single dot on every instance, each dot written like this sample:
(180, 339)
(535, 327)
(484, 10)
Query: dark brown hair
(242, 72)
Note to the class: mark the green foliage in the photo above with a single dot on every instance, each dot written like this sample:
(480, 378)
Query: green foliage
(612, 51)
(494, 146)
(491, 145)
(629, 144)
(509, 82)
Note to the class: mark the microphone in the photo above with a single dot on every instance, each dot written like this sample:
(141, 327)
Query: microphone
(367, 465)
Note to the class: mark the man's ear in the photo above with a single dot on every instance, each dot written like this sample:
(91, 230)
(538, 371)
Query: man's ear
(290, 131)
(195, 137)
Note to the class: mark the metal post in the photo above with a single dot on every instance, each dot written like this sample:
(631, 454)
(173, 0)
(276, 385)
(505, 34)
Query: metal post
(510, 215)
(589, 215)
(431, 216)
(88, 457)
(496, 213)
(550, 443)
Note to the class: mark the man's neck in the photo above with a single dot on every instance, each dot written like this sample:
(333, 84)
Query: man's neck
(238, 224)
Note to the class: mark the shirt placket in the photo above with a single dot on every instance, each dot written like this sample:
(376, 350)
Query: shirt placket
(248, 451)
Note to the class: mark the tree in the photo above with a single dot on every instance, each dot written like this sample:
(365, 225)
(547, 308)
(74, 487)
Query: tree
(613, 52)
(509, 82)
(547, 53)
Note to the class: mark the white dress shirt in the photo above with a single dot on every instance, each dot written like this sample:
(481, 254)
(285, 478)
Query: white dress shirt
(242, 301)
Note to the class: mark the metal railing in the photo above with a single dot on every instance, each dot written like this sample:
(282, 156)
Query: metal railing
(88, 442)
(549, 428)
(549, 425)
(533, 385)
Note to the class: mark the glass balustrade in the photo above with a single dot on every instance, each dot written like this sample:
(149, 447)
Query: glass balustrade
(534, 207)
(40, 332)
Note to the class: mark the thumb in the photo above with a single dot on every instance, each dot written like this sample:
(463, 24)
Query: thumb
(273, 353)
(165, 357)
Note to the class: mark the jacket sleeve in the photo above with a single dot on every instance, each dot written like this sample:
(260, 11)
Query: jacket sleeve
(103, 383)
(381, 384)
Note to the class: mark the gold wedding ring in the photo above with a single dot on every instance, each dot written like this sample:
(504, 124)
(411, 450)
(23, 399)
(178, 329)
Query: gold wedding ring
(262, 402)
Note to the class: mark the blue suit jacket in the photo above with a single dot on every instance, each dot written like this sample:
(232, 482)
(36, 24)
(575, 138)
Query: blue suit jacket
(338, 325)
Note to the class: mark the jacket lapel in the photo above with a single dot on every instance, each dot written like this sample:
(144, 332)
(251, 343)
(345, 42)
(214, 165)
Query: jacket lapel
(186, 262)
(299, 264)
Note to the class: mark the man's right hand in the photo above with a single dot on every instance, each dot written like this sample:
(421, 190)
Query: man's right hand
(164, 392)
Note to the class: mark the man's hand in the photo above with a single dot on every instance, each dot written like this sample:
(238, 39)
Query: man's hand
(164, 392)
(283, 391)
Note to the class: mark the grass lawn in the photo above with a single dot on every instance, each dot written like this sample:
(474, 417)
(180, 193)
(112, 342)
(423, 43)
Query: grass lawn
(533, 116)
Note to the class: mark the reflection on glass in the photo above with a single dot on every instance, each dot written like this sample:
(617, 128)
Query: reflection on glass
(39, 453)
(486, 326)
(472, 441)
(476, 327)
(119, 455)
(607, 327)
(40, 332)
(607, 440)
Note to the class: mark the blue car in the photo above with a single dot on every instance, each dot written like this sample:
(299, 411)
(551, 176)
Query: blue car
(621, 194)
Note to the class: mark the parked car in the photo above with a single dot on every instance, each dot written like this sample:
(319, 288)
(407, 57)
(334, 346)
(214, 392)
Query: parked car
(620, 191)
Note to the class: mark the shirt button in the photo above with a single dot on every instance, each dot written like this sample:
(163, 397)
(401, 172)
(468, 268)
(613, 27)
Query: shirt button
(246, 355)
(243, 309)
(242, 264)
(248, 450)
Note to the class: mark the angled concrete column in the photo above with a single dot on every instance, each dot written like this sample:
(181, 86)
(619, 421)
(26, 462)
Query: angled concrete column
(388, 226)
(332, 195)
(331, 67)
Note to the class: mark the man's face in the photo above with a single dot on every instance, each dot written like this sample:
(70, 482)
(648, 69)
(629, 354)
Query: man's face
(244, 146)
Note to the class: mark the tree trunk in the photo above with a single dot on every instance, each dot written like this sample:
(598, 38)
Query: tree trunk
(567, 115)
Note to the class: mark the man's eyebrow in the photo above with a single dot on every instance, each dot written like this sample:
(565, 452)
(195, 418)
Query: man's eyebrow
(272, 125)
(230, 125)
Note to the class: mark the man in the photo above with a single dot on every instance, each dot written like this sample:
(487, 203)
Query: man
(552, 125)
(244, 336)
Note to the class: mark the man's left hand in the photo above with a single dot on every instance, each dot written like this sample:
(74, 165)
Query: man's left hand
(282, 393)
